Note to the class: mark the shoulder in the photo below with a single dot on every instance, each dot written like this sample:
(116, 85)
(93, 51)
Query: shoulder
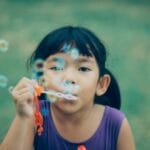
(114, 116)
(114, 111)
(112, 121)
(120, 128)
(125, 138)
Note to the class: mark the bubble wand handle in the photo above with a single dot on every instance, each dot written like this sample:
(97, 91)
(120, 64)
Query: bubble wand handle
(37, 114)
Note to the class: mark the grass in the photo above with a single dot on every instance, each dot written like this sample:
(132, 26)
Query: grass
(123, 26)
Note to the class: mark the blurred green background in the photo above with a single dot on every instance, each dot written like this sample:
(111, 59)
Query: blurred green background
(123, 26)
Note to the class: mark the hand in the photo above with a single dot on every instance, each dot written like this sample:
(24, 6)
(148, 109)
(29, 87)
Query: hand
(23, 96)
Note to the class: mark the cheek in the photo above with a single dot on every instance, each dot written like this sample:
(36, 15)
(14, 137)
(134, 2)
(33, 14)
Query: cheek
(52, 81)
(88, 86)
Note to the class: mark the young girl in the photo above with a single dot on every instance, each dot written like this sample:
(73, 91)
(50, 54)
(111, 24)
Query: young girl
(74, 65)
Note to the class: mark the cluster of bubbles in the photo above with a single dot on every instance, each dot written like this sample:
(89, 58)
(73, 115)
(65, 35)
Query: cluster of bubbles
(37, 72)
(67, 86)
(3, 48)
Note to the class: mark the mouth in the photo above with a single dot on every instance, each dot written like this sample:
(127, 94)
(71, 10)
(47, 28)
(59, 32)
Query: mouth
(70, 97)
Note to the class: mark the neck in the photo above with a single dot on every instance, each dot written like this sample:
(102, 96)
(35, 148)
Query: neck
(80, 125)
(71, 118)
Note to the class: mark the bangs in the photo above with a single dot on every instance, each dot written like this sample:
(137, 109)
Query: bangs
(74, 37)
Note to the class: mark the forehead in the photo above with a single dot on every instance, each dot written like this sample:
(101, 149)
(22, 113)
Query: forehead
(63, 56)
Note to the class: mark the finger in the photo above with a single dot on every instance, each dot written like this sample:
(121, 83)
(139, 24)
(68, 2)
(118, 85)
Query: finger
(26, 98)
(34, 83)
(23, 83)
(28, 91)
(25, 104)
(15, 96)
(27, 88)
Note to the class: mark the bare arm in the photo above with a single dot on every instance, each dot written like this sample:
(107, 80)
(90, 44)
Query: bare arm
(20, 135)
(125, 139)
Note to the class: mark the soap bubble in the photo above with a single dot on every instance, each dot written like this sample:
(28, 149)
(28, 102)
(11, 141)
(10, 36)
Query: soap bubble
(74, 53)
(66, 47)
(57, 81)
(38, 65)
(3, 45)
(69, 88)
(3, 81)
(66, 86)
(41, 81)
(36, 75)
(10, 89)
(60, 62)
(52, 98)
(37, 71)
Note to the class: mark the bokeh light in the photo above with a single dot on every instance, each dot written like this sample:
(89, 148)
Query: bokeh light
(3, 81)
(3, 45)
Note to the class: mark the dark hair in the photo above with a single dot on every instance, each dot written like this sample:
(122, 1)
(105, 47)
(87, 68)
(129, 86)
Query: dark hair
(88, 45)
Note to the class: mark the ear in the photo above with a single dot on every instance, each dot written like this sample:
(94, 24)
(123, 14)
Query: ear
(103, 84)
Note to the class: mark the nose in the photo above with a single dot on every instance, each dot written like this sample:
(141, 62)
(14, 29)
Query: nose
(68, 82)
(70, 76)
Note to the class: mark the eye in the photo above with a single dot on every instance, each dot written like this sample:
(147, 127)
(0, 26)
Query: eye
(56, 68)
(84, 69)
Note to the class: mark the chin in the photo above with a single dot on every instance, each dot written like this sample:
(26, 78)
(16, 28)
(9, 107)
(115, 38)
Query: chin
(67, 107)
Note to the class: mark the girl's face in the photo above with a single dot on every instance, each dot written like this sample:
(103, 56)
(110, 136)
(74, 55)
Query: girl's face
(80, 74)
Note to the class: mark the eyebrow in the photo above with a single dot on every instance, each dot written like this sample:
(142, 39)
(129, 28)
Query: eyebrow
(55, 59)
(84, 60)
(78, 60)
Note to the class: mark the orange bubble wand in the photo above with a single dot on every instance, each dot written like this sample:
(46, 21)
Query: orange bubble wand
(37, 114)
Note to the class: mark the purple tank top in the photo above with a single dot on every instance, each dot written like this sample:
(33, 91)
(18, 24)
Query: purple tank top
(105, 137)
